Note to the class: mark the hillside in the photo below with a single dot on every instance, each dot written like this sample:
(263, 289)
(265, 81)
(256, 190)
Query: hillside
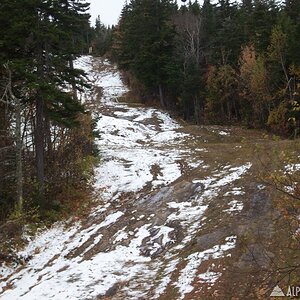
(180, 212)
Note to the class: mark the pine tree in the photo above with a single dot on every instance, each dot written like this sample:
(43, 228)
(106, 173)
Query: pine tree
(263, 19)
(208, 15)
(41, 39)
(147, 36)
(228, 36)
(102, 37)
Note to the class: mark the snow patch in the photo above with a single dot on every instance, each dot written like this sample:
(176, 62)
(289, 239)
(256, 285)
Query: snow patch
(292, 168)
(209, 277)
(188, 274)
(235, 192)
(223, 133)
(234, 206)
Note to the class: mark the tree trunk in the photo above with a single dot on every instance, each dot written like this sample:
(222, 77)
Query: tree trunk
(288, 81)
(41, 49)
(161, 96)
(39, 148)
(18, 141)
(48, 139)
(196, 110)
(19, 167)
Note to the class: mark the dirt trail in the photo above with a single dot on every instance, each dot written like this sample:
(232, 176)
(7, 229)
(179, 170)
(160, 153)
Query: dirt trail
(181, 214)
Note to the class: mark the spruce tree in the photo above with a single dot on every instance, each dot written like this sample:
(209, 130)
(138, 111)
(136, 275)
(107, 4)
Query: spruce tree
(41, 39)
(147, 36)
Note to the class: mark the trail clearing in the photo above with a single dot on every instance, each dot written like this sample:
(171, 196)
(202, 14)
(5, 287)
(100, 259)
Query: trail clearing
(180, 214)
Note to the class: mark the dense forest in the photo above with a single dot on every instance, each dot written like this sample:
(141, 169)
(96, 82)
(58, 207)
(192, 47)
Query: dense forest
(47, 149)
(223, 62)
(157, 158)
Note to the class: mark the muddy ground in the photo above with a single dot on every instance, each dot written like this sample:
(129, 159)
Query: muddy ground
(181, 212)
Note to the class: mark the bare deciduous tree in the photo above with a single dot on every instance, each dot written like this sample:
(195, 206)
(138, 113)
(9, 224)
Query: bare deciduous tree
(8, 97)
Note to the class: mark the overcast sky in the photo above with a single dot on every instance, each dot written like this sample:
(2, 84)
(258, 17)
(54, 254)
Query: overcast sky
(109, 10)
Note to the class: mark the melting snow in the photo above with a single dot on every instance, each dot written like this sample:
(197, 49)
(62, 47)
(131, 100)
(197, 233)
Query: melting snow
(261, 187)
(292, 168)
(209, 277)
(228, 175)
(166, 279)
(234, 206)
(235, 192)
(223, 133)
(188, 274)
(134, 155)
(85, 278)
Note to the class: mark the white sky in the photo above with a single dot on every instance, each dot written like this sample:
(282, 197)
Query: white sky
(109, 10)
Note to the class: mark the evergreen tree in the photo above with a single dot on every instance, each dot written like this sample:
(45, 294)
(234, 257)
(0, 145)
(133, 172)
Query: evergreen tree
(228, 36)
(147, 36)
(102, 38)
(263, 19)
(208, 40)
(208, 15)
(41, 41)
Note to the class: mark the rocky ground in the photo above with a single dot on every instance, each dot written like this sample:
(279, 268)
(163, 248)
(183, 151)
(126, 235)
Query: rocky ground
(180, 213)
